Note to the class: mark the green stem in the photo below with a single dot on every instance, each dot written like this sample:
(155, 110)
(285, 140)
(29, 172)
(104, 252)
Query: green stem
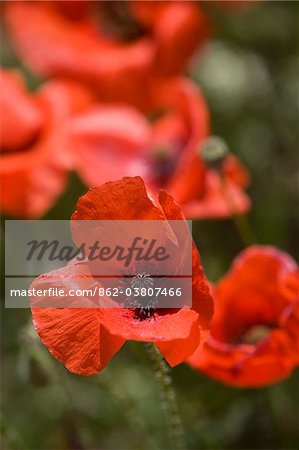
(244, 229)
(240, 221)
(167, 393)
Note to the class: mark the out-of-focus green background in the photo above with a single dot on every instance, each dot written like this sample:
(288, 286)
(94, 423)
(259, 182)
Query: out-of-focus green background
(249, 75)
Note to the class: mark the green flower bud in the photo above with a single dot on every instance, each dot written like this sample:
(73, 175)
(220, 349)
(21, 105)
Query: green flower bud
(213, 152)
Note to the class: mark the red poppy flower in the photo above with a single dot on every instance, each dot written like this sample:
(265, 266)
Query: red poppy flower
(178, 27)
(290, 318)
(85, 339)
(33, 137)
(112, 45)
(164, 148)
(254, 333)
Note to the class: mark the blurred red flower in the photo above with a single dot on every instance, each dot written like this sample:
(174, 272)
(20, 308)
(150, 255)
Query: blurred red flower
(254, 332)
(85, 339)
(164, 148)
(178, 27)
(290, 317)
(112, 45)
(34, 161)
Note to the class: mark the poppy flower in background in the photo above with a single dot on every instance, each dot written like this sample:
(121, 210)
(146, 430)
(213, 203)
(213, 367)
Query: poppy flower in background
(34, 160)
(179, 28)
(254, 332)
(164, 148)
(290, 318)
(114, 46)
(85, 339)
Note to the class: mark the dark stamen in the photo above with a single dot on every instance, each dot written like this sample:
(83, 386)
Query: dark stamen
(164, 163)
(118, 20)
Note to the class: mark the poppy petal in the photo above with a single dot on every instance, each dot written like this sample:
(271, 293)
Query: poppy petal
(219, 199)
(76, 338)
(202, 300)
(163, 326)
(125, 199)
(246, 365)
(75, 335)
(178, 350)
(109, 142)
(21, 115)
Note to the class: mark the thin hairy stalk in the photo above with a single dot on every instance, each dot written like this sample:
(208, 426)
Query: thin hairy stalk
(167, 393)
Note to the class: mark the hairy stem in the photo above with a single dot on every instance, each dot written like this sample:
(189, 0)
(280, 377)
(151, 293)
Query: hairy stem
(163, 376)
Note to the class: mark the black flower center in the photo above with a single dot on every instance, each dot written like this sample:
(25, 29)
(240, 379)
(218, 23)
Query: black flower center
(118, 21)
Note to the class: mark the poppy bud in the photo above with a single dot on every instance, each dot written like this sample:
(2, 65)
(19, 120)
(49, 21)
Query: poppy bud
(213, 152)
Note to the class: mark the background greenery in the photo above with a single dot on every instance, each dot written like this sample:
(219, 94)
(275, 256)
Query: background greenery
(249, 74)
